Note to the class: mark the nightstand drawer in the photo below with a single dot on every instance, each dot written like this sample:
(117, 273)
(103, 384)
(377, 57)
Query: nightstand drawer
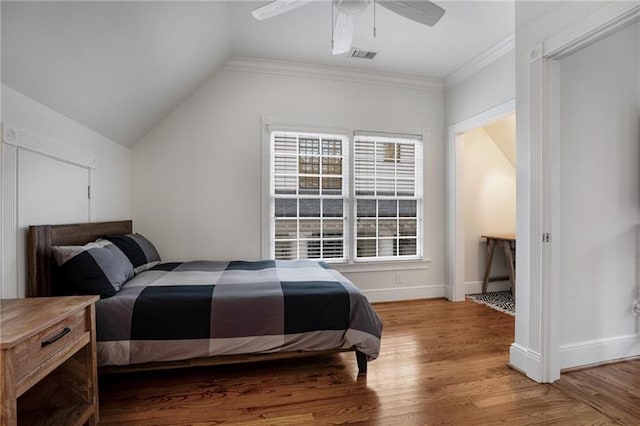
(38, 349)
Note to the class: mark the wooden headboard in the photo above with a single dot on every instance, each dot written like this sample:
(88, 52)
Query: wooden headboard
(42, 270)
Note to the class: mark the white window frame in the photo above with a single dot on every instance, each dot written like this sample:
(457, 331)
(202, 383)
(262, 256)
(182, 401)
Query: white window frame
(417, 140)
(345, 193)
(268, 220)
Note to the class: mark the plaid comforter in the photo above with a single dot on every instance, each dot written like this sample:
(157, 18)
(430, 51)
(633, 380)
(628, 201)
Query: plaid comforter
(178, 311)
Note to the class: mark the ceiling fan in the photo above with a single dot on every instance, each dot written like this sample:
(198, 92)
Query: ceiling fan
(421, 11)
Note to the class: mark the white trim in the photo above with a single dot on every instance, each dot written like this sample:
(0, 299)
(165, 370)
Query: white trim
(542, 290)
(12, 141)
(46, 147)
(352, 75)
(455, 259)
(599, 350)
(594, 27)
(404, 293)
(9, 224)
(479, 62)
(475, 287)
(266, 182)
(379, 266)
(526, 361)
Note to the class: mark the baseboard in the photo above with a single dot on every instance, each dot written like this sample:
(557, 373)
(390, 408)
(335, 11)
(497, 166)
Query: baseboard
(475, 287)
(404, 293)
(599, 351)
(526, 361)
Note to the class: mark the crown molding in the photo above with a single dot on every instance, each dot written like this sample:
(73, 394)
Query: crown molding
(480, 61)
(296, 69)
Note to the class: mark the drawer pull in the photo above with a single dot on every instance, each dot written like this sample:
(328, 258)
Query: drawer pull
(58, 336)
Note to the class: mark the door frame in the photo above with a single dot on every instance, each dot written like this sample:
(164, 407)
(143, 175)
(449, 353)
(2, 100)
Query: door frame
(536, 351)
(14, 140)
(455, 260)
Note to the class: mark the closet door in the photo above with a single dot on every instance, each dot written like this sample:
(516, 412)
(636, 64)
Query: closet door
(50, 191)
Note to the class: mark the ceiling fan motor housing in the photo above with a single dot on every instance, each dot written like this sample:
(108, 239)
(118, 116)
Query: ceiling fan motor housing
(352, 7)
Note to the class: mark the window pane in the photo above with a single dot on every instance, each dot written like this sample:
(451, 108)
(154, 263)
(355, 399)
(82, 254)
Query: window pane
(387, 228)
(365, 151)
(405, 166)
(309, 145)
(407, 247)
(331, 147)
(331, 166)
(408, 208)
(286, 250)
(366, 228)
(285, 165)
(385, 160)
(332, 249)
(286, 229)
(332, 208)
(387, 247)
(285, 184)
(365, 186)
(366, 208)
(286, 144)
(331, 186)
(310, 249)
(309, 228)
(386, 187)
(309, 185)
(408, 227)
(366, 248)
(309, 208)
(332, 228)
(286, 207)
(406, 188)
(309, 165)
(387, 208)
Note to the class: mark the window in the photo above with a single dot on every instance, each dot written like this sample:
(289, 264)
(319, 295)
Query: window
(387, 197)
(310, 197)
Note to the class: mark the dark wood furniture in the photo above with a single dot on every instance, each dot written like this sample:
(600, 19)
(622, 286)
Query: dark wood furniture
(43, 280)
(48, 369)
(508, 244)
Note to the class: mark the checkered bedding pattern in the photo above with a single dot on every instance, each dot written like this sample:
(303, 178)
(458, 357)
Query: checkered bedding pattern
(178, 311)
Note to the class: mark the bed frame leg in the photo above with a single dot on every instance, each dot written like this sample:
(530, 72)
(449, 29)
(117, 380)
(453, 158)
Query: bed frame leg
(362, 363)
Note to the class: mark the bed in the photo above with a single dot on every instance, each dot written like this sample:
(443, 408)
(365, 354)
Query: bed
(181, 314)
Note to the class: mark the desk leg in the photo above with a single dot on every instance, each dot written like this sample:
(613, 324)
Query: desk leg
(8, 408)
(508, 254)
(491, 244)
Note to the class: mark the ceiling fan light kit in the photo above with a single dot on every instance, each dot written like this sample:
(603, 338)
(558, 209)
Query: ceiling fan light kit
(421, 11)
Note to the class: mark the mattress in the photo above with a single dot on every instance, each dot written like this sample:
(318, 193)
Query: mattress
(178, 311)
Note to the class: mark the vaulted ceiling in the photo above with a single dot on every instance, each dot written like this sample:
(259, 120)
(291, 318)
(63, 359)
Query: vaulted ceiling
(120, 67)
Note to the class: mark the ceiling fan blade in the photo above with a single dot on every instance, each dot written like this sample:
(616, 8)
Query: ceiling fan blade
(343, 33)
(277, 7)
(422, 11)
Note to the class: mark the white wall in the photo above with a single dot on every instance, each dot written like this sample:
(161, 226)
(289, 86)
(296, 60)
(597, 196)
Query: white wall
(490, 205)
(599, 192)
(552, 19)
(112, 174)
(196, 176)
(491, 86)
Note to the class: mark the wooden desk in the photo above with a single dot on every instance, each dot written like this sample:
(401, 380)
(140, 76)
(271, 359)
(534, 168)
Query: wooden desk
(508, 244)
(48, 369)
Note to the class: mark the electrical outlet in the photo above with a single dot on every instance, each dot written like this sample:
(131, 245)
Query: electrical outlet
(398, 278)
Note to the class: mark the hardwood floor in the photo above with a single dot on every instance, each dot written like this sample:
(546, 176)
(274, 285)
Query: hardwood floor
(441, 363)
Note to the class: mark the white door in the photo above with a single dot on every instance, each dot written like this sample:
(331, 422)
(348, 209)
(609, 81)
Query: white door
(50, 191)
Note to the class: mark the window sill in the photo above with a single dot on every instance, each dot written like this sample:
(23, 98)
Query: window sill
(380, 266)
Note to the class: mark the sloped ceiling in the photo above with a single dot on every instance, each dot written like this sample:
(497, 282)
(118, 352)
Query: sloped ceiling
(115, 67)
(120, 67)
(503, 134)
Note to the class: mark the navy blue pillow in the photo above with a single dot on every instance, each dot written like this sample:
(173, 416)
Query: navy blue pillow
(98, 268)
(140, 252)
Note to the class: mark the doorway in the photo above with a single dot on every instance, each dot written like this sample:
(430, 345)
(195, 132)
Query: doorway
(457, 210)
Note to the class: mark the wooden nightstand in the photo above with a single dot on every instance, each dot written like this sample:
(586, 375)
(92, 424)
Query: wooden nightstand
(48, 370)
